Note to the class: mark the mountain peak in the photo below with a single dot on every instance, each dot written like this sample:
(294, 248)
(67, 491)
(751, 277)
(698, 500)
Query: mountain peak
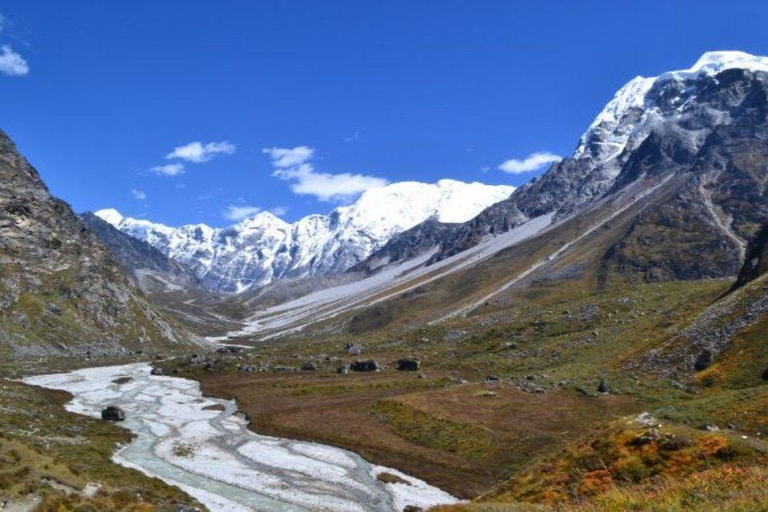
(262, 219)
(717, 61)
(264, 247)
(110, 216)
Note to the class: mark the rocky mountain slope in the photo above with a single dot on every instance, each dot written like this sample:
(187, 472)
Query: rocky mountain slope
(705, 125)
(668, 184)
(60, 290)
(264, 248)
(149, 269)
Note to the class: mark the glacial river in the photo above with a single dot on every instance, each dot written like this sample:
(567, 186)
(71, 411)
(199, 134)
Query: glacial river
(200, 445)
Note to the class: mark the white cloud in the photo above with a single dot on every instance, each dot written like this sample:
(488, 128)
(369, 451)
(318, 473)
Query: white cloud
(530, 163)
(169, 170)
(11, 63)
(237, 212)
(293, 165)
(138, 194)
(284, 157)
(197, 152)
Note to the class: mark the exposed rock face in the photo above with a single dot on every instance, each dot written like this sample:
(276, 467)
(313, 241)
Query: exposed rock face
(707, 127)
(60, 291)
(407, 245)
(148, 268)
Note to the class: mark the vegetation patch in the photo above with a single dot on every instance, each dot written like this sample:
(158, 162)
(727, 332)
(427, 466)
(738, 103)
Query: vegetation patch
(425, 429)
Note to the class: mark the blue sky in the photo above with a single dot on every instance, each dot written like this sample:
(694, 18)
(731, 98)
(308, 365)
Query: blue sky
(105, 98)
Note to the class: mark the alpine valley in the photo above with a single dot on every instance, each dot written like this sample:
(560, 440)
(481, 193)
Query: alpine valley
(595, 339)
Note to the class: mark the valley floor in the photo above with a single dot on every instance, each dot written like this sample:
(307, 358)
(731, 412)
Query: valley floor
(505, 409)
(531, 403)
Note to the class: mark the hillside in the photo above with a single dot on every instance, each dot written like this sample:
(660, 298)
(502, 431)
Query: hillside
(60, 290)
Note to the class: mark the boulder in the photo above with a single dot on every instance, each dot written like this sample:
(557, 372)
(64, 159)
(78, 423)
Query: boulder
(602, 387)
(365, 366)
(353, 349)
(156, 371)
(309, 367)
(408, 365)
(343, 369)
(704, 360)
(113, 413)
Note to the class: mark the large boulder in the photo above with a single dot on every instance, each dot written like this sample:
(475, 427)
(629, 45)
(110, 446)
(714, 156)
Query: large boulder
(408, 365)
(365, 366)
(113, 413)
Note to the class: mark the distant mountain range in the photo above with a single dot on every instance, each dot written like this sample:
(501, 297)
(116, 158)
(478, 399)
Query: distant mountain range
(263, 248)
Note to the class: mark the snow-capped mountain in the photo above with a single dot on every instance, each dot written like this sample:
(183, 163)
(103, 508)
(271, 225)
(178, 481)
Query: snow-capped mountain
(706, 125)
(263, 247)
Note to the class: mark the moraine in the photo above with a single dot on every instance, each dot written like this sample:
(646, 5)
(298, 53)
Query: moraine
(200, 445)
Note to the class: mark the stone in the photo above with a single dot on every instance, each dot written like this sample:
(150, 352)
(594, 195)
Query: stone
(113, 413)
(156, 371)
(704, 360)
(408, 365)
(365, 366)
(343, 369)
(353, 349)
(309, 367)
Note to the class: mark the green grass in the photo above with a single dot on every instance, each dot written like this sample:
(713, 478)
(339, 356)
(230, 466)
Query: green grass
(463, 439)
(45, 450)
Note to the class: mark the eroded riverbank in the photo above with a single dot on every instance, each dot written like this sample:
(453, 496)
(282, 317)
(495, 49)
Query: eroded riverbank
(202, 446)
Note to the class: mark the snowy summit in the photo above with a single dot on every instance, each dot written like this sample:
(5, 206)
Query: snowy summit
(264, 247)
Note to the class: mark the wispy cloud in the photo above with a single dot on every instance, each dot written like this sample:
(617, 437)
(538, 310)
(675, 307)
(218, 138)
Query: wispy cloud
(139, 195)
(197, 152)
(289, 157)
(279, 211)
(293, 164)
(530, 163)
(11, 63)
(168, 170)
(236, 212)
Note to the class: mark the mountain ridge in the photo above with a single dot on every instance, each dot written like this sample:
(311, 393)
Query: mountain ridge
(263, 247)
